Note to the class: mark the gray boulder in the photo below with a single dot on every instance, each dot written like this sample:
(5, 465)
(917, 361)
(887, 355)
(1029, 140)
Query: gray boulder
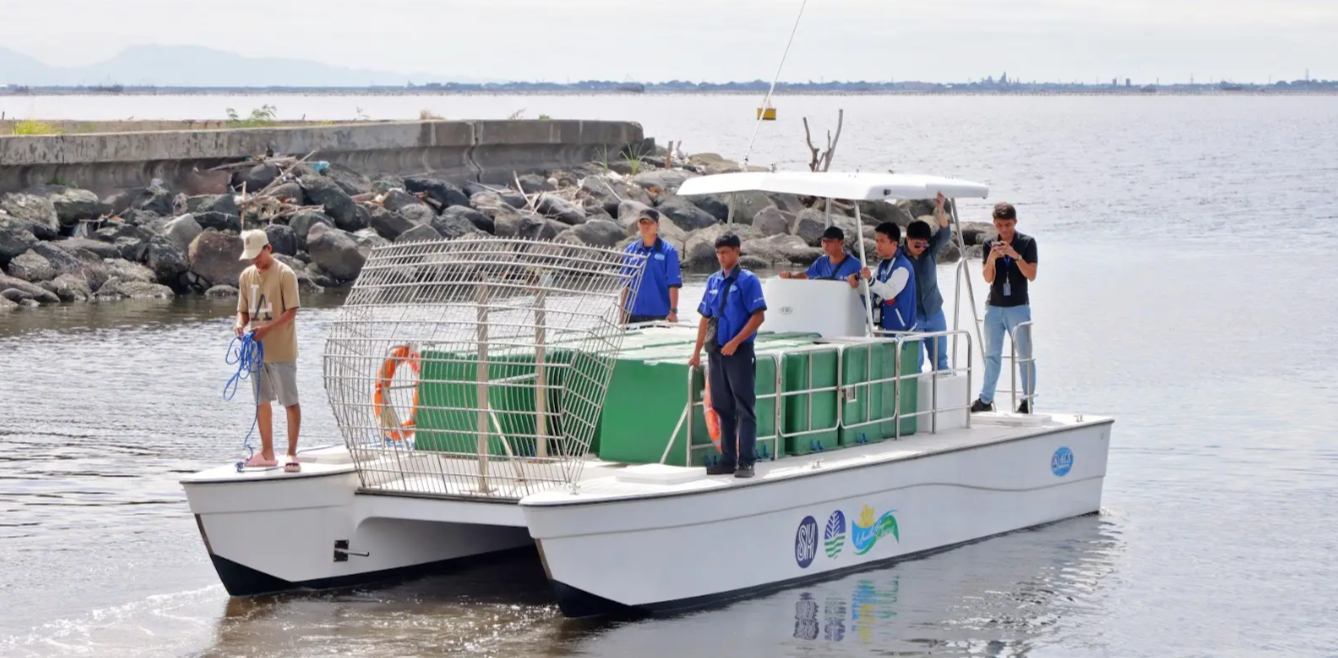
(367, 239)
(31, 267)
(338, 205)
(978, 233)
(135, 290)
(214, 257)
(809, 225)
(141, 217)
(386, 182)
(480, 221)
(32, 213)
(6, 304)
(15, 296)
(128, 271)
(876, 212)
(534, 184)
(182, 231)
(418, 233)
(36, 292)
(219, 203)
(712, 204)
(773, 221)
(335, 252)
(102, 249)
(390, 225)
(218, 221)
(688, 216)
(444, 193)
(555, 207)
(747, 205)
(71, 204)
(419, 214)
(538, 227)
(167, 261)
(290, 191)
(398, 200)
(610, 192)
(506, 221)
(787, 202)
(713, 163)
(71, 288)
(15, 239)
(453, 225)
(282, 239)
(600, 233)
(665, 181)
(348, 180)
(256, 178)
(221, 292)
(154, 199)
(699, 256)
(629, 211)
(302, 222)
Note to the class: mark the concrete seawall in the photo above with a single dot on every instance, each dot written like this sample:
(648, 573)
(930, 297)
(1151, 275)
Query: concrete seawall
(459, 151)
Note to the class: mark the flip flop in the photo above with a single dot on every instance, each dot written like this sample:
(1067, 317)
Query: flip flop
(258, 461)
(292, 466)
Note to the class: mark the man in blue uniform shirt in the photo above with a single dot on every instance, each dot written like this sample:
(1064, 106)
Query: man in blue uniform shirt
(657, 297)
(834, 264)
(922, 247)
(733, 302)
(893, 287)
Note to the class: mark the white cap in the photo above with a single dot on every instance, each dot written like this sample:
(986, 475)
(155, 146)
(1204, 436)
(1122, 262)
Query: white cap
(253, 242)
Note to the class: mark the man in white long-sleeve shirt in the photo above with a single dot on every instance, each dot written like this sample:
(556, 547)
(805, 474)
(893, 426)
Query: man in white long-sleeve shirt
(894, 286)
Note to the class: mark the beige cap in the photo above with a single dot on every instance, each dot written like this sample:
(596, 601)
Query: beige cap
(253, 241)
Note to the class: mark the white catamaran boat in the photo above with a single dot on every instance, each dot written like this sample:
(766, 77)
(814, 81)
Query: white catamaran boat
(490, 398)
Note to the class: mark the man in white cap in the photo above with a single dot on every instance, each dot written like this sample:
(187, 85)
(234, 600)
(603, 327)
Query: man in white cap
(268, 302)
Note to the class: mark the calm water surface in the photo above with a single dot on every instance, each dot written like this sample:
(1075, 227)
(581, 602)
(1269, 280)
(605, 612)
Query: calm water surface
(1185, 287)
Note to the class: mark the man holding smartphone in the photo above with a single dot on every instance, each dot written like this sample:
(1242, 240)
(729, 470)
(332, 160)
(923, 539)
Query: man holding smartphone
(1010, 264)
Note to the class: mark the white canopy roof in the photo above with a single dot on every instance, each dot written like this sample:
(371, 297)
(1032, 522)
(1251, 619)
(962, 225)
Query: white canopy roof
(836, 185)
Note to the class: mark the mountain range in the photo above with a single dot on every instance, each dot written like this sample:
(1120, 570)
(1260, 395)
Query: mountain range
(196, 66)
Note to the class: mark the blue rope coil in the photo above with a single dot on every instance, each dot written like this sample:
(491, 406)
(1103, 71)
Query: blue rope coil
(248, 354)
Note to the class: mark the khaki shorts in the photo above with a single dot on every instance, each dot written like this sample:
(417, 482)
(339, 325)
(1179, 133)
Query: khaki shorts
(278, 381)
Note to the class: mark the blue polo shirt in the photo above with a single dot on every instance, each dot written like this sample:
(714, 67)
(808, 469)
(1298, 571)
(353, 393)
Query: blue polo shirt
(662, 273)
(742, 300)
(822, 268)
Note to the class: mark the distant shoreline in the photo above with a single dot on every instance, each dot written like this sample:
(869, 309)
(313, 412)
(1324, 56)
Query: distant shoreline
(372, 91)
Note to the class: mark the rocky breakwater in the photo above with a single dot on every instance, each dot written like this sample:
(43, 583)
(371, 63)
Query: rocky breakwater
(62, 244)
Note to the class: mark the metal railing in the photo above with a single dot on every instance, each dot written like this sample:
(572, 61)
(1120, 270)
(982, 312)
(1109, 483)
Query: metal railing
(902, 338)
(1028, 361)
(478, 366)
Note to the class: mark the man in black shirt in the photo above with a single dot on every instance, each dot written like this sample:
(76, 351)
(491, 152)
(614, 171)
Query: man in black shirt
(1010, 263)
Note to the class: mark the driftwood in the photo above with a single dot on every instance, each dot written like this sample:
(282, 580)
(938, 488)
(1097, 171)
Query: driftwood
(822, 161)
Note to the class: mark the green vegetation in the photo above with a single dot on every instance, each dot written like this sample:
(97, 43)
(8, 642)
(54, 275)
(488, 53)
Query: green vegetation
(259, 118)
(517, 115)
(545, 117)
(35, 127)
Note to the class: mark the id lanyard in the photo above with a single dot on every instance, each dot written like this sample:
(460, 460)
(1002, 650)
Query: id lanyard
(1008, 281)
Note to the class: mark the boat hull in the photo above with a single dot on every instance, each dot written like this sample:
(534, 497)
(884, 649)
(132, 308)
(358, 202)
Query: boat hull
(675, 552)
(282, 532)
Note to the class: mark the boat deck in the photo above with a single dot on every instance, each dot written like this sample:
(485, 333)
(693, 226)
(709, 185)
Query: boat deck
(431, 474)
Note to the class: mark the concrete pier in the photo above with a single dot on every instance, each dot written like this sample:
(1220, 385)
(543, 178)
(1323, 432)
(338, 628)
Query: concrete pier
(459, 151)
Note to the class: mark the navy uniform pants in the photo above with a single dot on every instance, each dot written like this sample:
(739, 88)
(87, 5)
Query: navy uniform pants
(734, 398)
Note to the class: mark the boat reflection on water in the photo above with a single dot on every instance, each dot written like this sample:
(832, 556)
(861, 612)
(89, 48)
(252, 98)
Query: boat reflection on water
(1001, 597)
(1006, 596)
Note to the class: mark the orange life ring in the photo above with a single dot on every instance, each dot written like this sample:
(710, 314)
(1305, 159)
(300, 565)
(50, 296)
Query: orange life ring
(712, 418)
(381, 398)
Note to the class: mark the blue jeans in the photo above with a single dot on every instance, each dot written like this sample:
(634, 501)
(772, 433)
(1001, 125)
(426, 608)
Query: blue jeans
(932, 323)
(999, 319)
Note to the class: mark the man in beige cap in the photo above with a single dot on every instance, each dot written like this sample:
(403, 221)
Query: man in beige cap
(268, 302)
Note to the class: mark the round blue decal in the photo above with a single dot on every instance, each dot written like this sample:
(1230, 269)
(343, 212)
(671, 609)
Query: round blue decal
(1061, 462)
(806, 542)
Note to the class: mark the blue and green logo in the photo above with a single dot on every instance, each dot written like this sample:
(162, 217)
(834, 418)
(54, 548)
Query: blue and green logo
(834, 537)
(866, 532)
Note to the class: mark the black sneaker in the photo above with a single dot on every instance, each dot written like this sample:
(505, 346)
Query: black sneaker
(719, 469)
(979, 406)
(744, 471)
(1024, 408)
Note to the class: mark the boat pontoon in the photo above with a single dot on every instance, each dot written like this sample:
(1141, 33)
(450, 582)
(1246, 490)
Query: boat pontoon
(490, 398)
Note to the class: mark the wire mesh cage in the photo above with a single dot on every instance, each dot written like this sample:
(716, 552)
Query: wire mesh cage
(477, 367)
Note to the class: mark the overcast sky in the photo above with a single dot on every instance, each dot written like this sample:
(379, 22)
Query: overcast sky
(942, 40)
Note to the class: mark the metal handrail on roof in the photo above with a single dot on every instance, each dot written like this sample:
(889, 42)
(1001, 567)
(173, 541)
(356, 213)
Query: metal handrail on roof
(836, 185)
